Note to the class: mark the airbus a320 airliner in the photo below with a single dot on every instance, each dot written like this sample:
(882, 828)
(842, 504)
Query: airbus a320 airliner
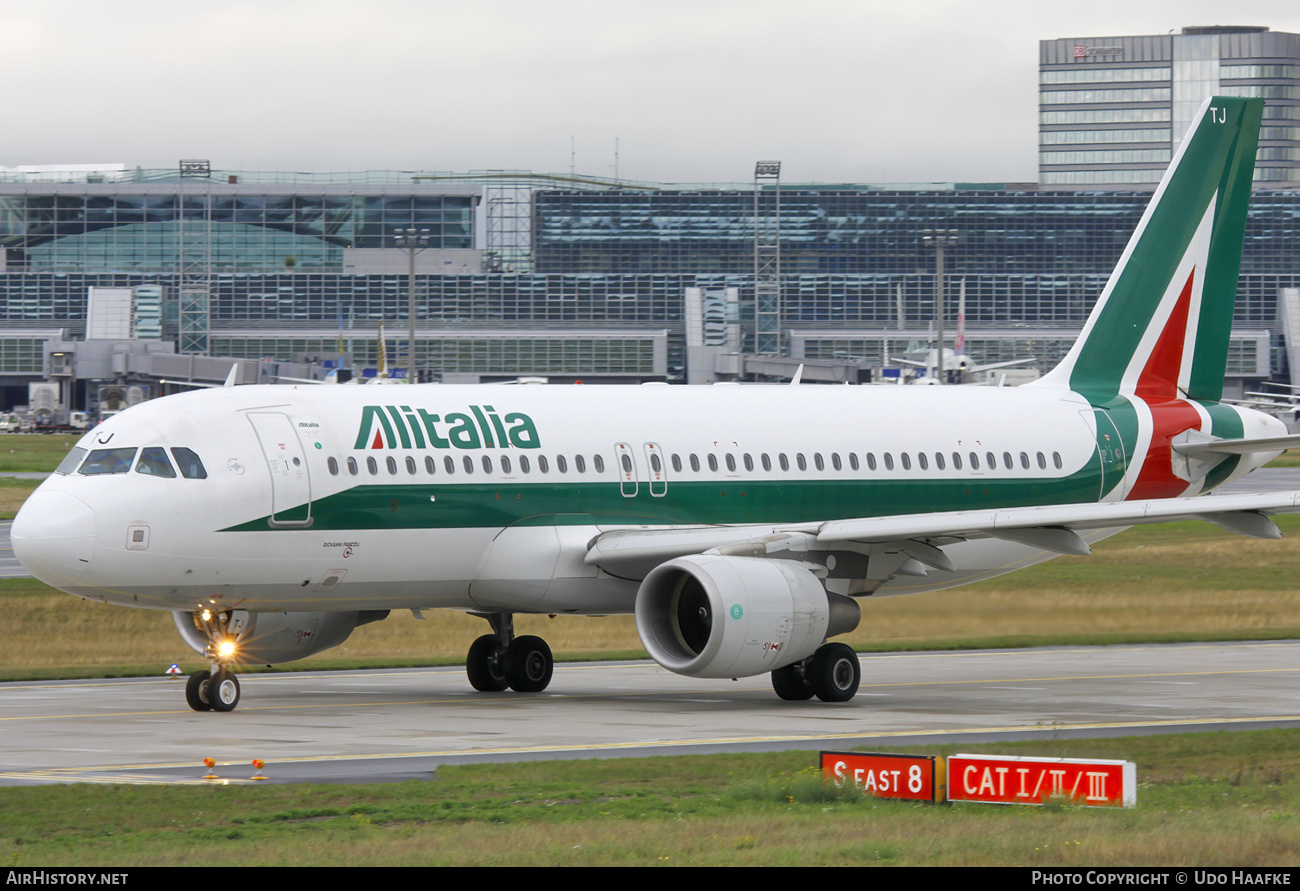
(741, 524)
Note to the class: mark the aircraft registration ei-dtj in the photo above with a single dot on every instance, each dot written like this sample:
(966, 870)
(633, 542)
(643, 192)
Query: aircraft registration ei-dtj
(741, 524)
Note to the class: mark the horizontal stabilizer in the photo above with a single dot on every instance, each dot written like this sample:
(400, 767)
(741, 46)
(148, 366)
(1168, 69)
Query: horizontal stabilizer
(1201, 448)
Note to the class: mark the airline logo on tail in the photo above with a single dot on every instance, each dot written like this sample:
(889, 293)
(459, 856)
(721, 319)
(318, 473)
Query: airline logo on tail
(1154, 350)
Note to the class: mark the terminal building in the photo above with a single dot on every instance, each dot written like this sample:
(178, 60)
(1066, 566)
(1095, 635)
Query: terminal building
(601, 280)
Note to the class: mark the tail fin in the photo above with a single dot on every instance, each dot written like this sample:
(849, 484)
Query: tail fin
(1162, 322)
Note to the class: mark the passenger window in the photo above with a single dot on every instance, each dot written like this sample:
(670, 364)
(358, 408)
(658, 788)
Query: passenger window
(938, 460)
(373, 466)
(801, 461)
(818, 462)
(545, 466)
(190, 466)
(990, 461)
(1007, 462)
(524, 465)
(333, 465)
(352, 465)
(731, 462)
(430, 466)
(448, 464)
(153, 462)
(713, 462)
(835, 461)
(1024, 460)
(108, 461)
(974, 461)
(410, 465)
(70, 461)
(956, 460)
(889, 461)
(907, 460)
(922, 461)
(1042, 461)
(505, 463)
(562, 463)
(487, 464)
(1056, 459)
(598, 462)
(580, 464)
(871, 460)
(749, 461)
(677, 463)
(391, 463)
(767, 462)
(695, 463)
(784, 461)
(853, 460)
(469, 463)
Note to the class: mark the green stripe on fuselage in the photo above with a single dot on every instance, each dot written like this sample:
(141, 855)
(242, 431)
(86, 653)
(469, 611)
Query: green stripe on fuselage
(712, 502)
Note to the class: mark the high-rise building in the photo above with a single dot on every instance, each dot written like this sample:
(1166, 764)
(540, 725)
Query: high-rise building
(1111, 110)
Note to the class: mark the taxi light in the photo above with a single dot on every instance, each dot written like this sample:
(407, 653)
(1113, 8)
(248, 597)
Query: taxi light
(226, 648)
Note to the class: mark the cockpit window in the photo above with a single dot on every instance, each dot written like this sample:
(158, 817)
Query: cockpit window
(153, 461)
(108, 461)
(189, 463)
(70, 462)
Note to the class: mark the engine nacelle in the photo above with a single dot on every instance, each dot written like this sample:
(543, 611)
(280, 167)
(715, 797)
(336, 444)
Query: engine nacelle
(724, 617)
(267, 638)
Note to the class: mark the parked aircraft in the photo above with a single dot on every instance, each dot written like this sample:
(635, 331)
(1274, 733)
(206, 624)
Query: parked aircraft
(741, 525)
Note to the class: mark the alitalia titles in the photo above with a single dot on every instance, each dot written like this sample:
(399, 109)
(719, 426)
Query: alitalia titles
(402, 427)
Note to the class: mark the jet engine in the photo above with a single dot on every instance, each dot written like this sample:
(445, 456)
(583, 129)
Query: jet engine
(268, 638)
(724, 617)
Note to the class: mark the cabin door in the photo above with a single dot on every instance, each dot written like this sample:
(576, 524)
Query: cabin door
(287, 463)
(1110, 448)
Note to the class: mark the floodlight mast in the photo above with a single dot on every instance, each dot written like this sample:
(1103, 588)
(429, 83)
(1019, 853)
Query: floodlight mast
(412, 241)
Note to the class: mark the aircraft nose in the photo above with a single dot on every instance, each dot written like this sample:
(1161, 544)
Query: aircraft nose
(54, 537)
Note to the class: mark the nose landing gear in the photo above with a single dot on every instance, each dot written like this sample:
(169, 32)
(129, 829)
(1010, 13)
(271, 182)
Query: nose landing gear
(216, 689)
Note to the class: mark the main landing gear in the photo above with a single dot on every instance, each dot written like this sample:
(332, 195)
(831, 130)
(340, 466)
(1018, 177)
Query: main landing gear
(832, 674)
(500, 660)
(216, 689)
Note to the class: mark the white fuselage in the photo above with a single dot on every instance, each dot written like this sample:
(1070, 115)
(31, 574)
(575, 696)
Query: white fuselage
(486, 498)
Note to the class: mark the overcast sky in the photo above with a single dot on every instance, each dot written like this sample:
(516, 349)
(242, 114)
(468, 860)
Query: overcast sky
(693, 90)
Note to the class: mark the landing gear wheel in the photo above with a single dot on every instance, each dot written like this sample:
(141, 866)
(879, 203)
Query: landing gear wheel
(529, 664)
(196, 691)
(834, 673)
(485, 665)
(223, 691)
(791, 683)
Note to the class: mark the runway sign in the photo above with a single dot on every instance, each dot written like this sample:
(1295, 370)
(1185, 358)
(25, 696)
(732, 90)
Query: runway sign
(906, 777)
(1002, 780)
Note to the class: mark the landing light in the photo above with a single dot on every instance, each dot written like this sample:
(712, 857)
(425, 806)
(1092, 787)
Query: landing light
(226, 648)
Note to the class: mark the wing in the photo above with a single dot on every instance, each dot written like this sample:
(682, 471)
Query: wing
(920, 538)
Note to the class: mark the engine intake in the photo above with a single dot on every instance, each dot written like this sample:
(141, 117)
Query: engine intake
(719, 617)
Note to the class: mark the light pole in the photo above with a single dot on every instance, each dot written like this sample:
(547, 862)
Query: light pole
(939, 238)
(412, 241)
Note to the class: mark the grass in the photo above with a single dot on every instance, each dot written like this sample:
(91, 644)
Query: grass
(33, 452)
(1221, 799)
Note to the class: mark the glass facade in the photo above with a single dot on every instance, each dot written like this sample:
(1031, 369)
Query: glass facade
(1081, 102)
(98, 226)
(613, 266)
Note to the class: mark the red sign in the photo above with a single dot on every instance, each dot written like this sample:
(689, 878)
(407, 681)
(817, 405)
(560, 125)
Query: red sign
(910, 777)
(1003, 780)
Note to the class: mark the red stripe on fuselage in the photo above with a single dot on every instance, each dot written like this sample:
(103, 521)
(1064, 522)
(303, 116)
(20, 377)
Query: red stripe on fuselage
(1157, 386)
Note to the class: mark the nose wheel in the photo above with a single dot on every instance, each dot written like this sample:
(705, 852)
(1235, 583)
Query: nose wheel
(216, 691)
